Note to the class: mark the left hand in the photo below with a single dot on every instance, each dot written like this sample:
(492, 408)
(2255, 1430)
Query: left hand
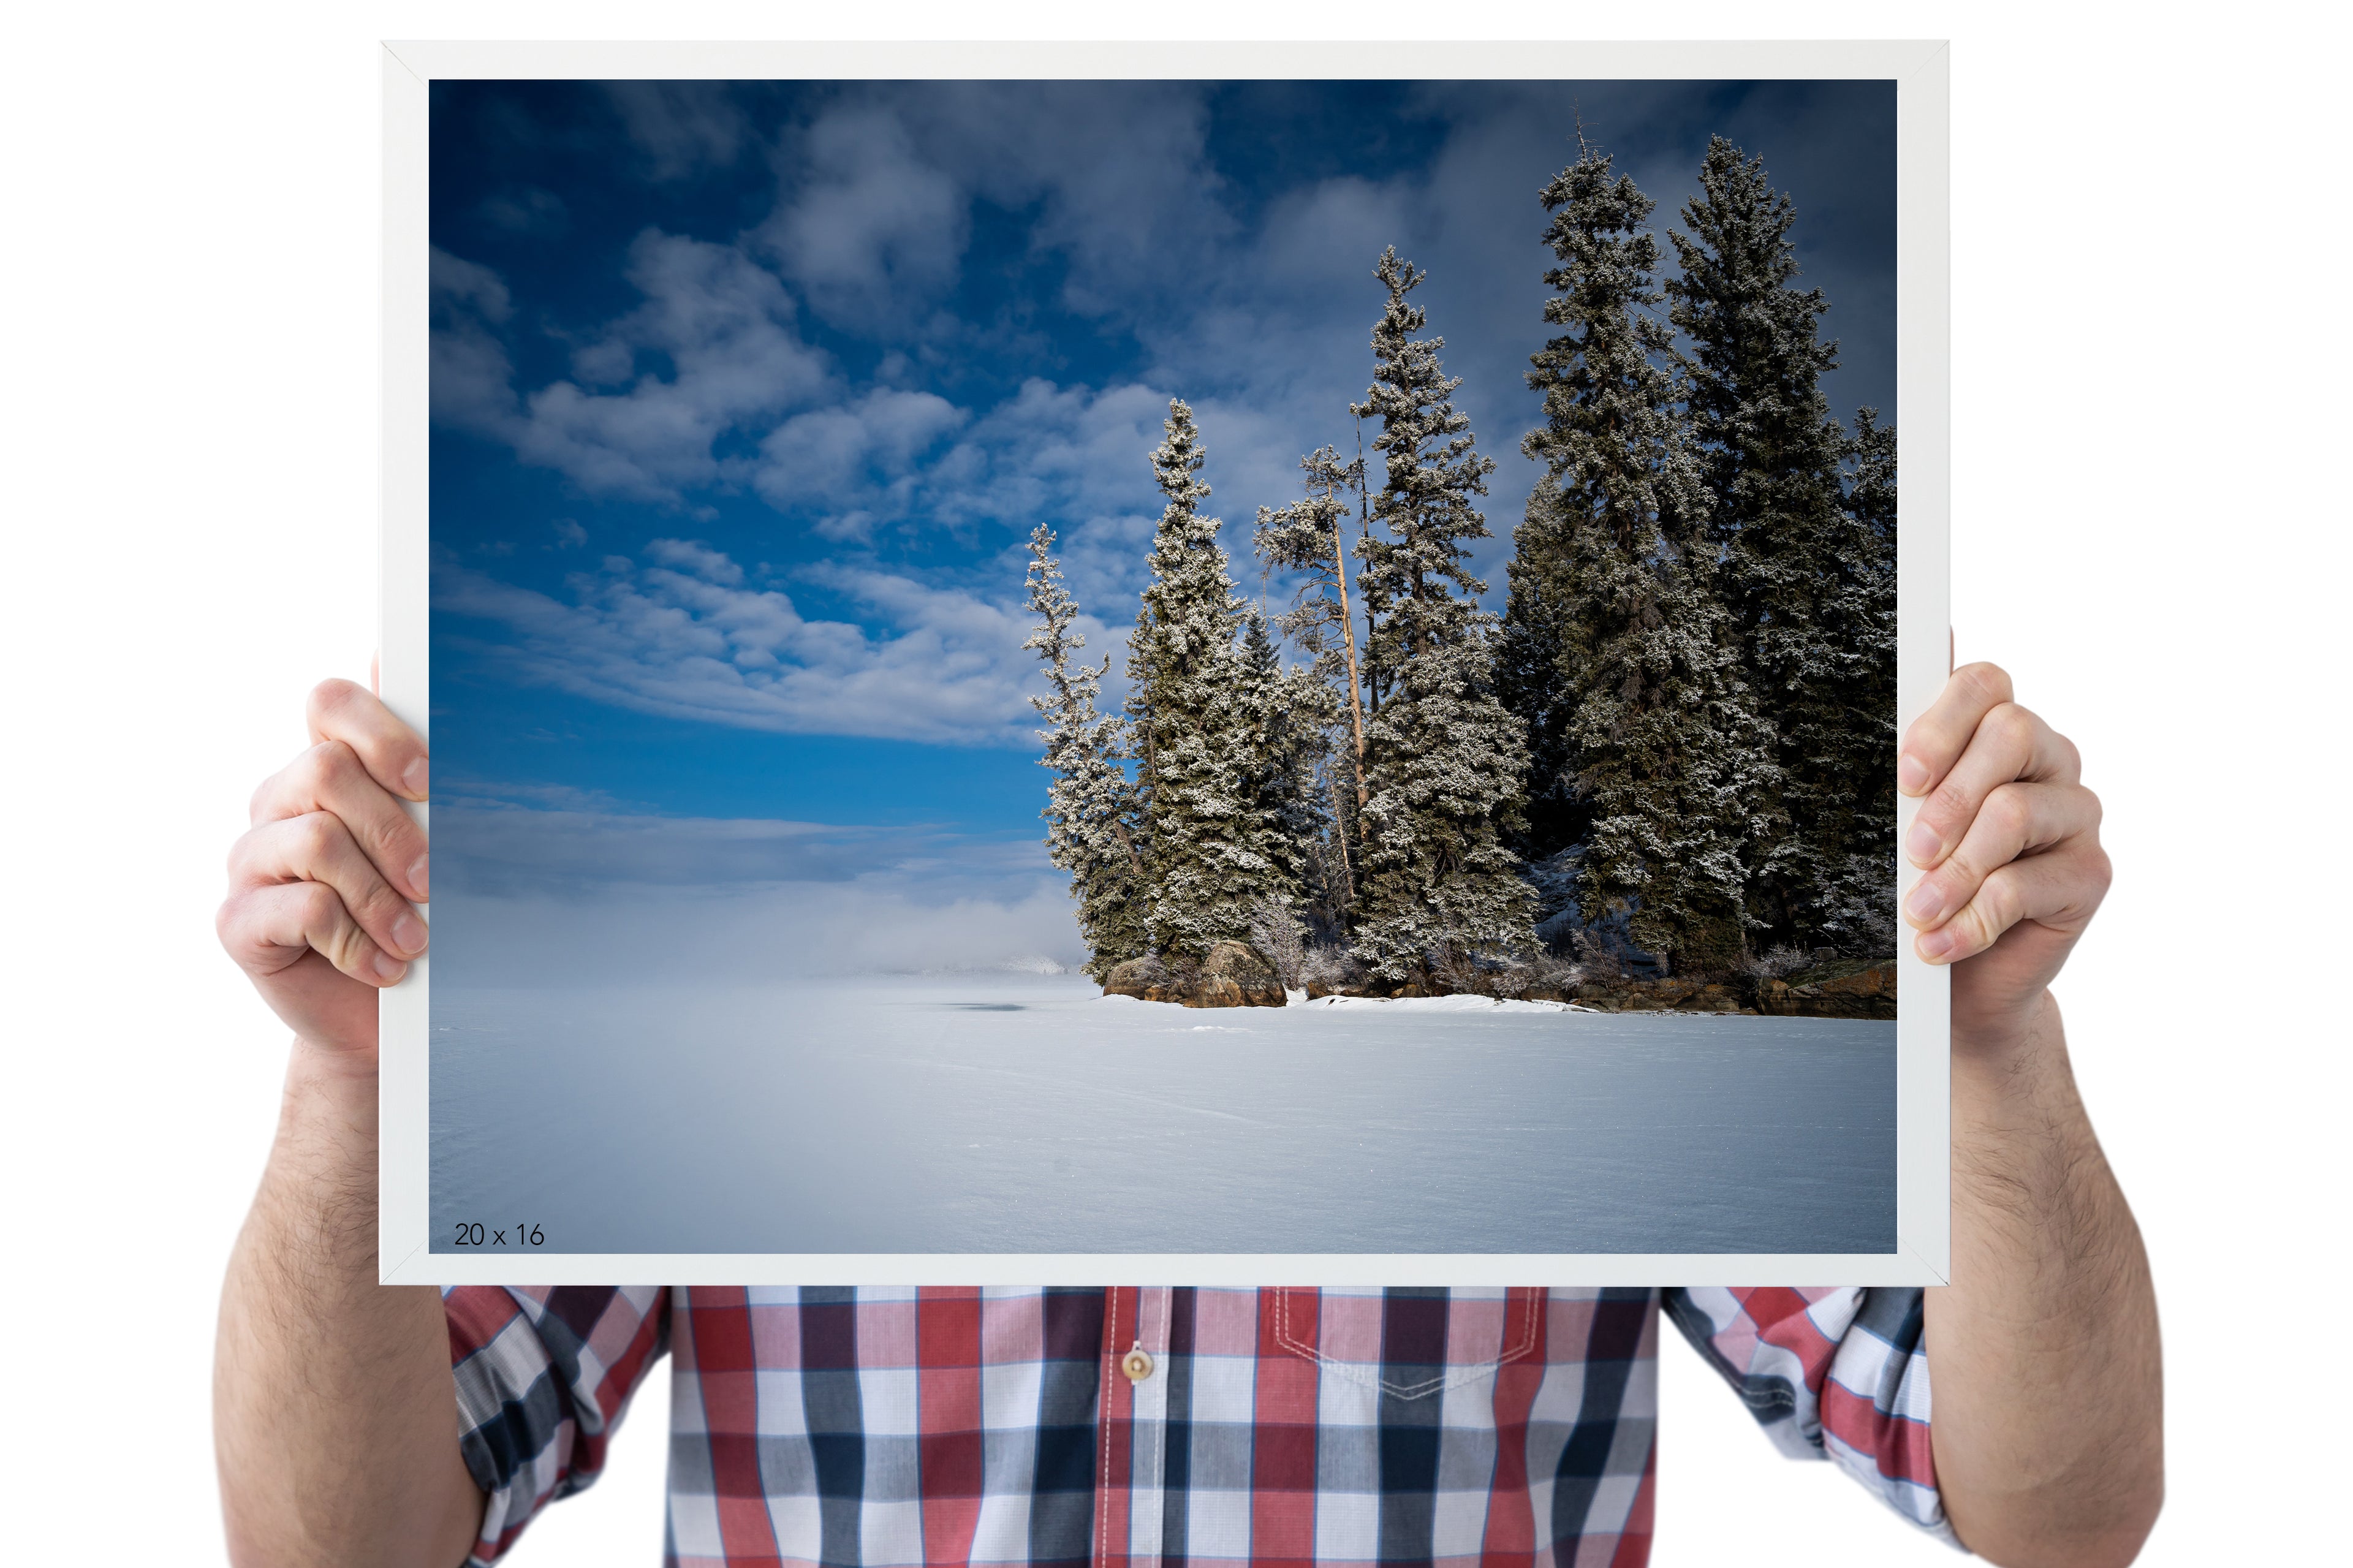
(2010, 839)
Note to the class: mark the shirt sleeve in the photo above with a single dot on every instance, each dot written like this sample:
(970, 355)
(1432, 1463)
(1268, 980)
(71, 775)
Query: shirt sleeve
(1840, 1375)
(543, 1377)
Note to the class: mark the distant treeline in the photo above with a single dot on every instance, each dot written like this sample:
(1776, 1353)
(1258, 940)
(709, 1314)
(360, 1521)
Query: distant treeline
(1678, 738)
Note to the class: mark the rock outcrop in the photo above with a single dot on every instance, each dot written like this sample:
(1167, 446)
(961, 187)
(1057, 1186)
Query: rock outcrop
(1232, 976)
(1844, 988)
(1657, 997)
(1839, 988)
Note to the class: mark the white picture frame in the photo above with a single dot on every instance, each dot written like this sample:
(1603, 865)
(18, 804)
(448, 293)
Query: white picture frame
(1919, 70)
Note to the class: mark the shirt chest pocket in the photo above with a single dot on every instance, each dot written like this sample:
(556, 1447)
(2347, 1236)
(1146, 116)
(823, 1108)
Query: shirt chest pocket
(1410, 1343)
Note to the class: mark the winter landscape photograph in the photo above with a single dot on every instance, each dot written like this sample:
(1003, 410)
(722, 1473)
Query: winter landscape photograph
(1150, 667)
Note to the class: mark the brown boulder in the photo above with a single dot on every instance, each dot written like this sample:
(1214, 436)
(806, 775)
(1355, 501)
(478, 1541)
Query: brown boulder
(1232, 976)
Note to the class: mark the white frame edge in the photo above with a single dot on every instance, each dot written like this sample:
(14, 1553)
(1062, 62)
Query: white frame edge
(1922, 73)
(404, 679)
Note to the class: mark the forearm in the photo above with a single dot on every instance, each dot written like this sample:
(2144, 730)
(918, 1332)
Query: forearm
(334, 1417)
(2043, 1350)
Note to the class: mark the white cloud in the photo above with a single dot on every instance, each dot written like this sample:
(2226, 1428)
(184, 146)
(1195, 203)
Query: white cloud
(1134, 204)
(471, 377)
(697, 560)
(876, 227)
(680, 127)
(855, 459)
(687, 637)
(876, 201)
(720, 325)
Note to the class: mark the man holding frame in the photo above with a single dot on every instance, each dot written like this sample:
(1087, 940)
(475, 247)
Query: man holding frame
(344, 1436)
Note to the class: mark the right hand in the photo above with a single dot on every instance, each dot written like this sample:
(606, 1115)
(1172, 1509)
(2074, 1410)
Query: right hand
(319, 912)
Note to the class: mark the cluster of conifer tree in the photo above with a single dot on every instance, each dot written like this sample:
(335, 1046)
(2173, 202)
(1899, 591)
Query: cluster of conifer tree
(1681, 729)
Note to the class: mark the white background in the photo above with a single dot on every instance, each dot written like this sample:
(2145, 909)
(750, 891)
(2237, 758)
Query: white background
(2149, 529)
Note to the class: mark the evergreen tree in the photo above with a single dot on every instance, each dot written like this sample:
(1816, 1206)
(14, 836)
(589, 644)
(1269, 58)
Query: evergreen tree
(1286, 713)
(1443, 757)
(1090, 807)
(1206, 865)
(1530, 662)
(1870, 489)
(1798, 572)
(1662, 748)
(1858, 908)
(1311, 537)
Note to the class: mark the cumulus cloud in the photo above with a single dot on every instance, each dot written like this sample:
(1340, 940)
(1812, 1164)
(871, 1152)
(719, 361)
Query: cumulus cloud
(679, 128)
(472, 376)
(713, 344)
(853, 463)
(875, 194)
(689, 636)
(875, 226)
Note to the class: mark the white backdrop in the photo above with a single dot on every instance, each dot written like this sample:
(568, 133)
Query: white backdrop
(2149, 355)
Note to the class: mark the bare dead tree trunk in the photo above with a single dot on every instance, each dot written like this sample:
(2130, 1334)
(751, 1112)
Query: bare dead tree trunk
(1340, 838)
(1348, 634)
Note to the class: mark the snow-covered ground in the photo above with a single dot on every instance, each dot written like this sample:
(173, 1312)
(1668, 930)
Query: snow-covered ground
(1026, 1113)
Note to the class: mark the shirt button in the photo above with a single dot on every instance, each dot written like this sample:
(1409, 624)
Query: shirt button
(1137, 1364)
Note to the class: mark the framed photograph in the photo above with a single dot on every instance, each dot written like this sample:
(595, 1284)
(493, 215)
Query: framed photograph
(1212, 664)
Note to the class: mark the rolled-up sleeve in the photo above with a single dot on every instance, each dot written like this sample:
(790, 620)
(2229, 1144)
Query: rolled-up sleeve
(1839, 1374)
(544, 1378)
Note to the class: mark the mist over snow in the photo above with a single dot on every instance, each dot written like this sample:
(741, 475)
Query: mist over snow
(567, 894)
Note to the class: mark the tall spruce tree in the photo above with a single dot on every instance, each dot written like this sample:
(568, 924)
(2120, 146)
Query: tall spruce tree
(1530, 662)
(1206, 865)
(1857, 909)
(1090, 807)
(1311, 537)
(1661, 747)
(1798, 573)
(1443, 758)
(1286, 714)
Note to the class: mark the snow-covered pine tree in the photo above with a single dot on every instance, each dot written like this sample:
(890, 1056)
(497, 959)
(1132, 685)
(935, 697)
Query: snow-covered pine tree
(1206, 869)
(1090, 807)
(1859, 911)
(1529, 664)
(1310, 537)
(1663, 749)
(1288, 713)
(1444, 759)
(1798, 572)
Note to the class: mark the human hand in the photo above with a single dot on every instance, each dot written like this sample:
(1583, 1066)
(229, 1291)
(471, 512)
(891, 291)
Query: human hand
(319, 913)
(2010, 841)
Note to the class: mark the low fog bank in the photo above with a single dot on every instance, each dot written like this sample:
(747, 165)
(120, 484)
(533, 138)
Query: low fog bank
(534, 893)
(624, 935)
(509, 848)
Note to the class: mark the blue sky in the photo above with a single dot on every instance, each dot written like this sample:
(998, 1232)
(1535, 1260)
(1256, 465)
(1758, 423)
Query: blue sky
(747, 396)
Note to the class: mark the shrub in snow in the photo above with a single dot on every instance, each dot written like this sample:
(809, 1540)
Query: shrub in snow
(1275, 934)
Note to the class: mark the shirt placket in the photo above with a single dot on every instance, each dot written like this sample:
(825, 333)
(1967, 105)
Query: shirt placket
(1131, 1496)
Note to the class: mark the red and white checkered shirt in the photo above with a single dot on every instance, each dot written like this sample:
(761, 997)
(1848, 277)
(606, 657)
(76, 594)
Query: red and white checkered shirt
(1277, 1428)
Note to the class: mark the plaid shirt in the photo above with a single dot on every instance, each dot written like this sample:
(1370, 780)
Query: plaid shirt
(1281, 1428)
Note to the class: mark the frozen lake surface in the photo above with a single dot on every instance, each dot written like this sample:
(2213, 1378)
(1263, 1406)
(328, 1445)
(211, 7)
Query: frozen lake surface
(1025, 1113)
